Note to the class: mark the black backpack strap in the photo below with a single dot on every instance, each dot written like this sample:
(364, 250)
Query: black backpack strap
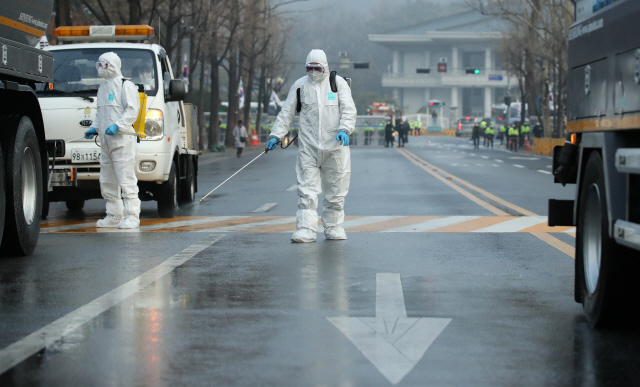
(332, 81)
(299, 102)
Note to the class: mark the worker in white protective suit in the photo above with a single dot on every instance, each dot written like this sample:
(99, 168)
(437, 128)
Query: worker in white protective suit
(324, 161)
(118, 107)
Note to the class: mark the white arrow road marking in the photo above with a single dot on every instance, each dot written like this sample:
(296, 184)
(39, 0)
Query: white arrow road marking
(391, 341)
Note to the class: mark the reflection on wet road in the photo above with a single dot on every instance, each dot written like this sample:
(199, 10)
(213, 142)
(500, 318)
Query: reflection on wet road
(431, 288)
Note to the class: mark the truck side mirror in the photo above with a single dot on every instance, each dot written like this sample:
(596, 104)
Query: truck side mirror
(176, 91)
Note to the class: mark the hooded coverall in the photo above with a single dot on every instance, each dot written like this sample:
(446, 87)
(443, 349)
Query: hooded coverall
(118, 103)
(323, 164)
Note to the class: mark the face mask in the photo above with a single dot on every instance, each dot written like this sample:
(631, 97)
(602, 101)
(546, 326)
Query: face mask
(315, 76)
(103, 73)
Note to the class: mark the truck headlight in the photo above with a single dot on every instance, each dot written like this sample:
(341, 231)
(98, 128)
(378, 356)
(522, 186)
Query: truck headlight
(154, 125)
(147, 166)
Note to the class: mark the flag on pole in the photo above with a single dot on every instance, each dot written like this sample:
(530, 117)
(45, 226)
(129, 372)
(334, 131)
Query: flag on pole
(241, 95)
(275, 99)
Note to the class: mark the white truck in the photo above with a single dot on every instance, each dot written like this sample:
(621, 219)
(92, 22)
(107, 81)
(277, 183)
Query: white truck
(167, 156)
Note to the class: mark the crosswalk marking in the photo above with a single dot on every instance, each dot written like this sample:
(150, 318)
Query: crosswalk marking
(352, 224)
(432, 224)
(265, 207)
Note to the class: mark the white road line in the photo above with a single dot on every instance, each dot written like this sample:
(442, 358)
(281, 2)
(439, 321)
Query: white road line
(479, 165)
(292, 188)
(523, 158)
(515, 225)
(453, 165)
(265, 207)
(432, 224)
(573, 230)
(367, 220)
(389, 296)
(472, 154)
(484, 157)
(549, 166)
(495, 165)
(17, 352)
(518, 166)
(545, 172)
(500, 161)
(249, 226)
(465, 165)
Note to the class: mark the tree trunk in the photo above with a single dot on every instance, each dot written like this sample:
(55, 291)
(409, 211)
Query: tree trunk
(134, 12)
(261, 92)
(248, 91)
(215, 95)
(202, 128)
(234, 80)
(544, 102)
(63, 13)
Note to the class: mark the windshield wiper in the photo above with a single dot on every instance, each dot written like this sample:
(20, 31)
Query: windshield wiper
(73, 94)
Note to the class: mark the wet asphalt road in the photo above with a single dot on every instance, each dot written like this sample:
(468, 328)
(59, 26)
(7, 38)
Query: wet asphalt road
(220, 296)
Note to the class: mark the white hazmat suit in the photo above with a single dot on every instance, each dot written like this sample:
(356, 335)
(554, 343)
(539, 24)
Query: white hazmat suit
(119, 104)
(323, 164)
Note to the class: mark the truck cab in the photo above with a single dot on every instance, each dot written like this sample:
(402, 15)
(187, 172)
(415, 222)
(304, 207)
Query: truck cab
(167, 155)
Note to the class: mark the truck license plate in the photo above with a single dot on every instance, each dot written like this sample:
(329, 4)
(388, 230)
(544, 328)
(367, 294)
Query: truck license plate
(85, 155)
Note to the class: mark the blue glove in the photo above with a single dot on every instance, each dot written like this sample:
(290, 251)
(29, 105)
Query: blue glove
(112, 130)
(272, 144)
(342, 138)
(90, 133)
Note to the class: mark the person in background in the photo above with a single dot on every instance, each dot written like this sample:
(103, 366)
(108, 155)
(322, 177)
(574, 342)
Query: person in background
(475, 135)
(388, 134)
(240, 138)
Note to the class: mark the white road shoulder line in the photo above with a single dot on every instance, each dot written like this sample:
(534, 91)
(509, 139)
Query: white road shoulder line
(543, 171)
(500, 161)
(518, 166)
(265, 207)
(292, 188)
(19, 351)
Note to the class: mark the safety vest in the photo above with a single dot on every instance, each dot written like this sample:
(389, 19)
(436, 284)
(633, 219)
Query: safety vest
(526, 129)
(489, 131)
(419, 124)
(502, 129)
(513, 132)
(381, 127)
(483, 125)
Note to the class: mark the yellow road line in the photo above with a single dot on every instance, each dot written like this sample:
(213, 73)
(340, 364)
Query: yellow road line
(474, 224)
(218, 224)
(473, 187)
(555, 242)
(468, 195)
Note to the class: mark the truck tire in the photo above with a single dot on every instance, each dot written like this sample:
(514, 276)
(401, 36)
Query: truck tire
(603, 268)
(75, 205)
(3, 194)
(168, 198)
(188, 185)
(23, 188)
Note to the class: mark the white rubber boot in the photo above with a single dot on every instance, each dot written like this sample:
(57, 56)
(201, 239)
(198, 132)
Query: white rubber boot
(303, 235)
(335, 233)
(108, 221)
(129, 222)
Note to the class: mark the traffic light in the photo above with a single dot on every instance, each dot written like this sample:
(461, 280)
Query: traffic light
(423, 71)
(360, 65)
(436, 103)
(473, 71)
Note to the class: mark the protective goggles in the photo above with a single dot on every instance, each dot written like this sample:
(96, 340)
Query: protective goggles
(315, 67)
(101, 64)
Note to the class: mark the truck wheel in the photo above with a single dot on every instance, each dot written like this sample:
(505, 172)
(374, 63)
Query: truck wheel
(603, 268)
(188, 185)
(168, 198)
(3, 194)
(75, 205)
(24, 188)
